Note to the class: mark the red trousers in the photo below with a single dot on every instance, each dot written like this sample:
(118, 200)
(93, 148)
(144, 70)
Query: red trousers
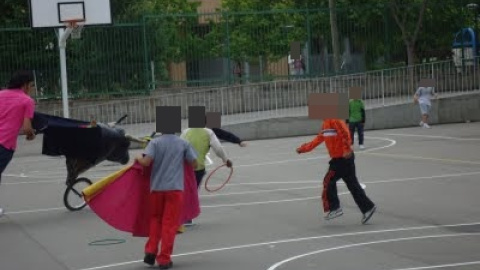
(165, 212)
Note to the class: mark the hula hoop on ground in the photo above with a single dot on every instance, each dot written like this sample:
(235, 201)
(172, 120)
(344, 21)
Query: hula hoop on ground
(107, 242)
(224, 183)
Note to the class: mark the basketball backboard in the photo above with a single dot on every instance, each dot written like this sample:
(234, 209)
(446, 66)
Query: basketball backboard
(57, 13)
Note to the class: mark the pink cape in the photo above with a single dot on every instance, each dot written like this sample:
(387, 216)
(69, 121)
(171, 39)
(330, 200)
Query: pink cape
(124, 203)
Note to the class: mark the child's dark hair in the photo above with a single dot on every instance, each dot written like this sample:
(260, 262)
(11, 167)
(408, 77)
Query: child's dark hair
(20, 78)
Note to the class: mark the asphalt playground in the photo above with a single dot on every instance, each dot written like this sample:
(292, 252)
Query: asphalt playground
(425, 183)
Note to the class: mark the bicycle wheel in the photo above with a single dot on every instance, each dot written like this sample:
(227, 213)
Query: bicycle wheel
(73, 197)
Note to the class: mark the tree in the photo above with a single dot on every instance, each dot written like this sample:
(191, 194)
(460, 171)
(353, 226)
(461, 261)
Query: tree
(334, 32)
(260, 31)
(409, 23)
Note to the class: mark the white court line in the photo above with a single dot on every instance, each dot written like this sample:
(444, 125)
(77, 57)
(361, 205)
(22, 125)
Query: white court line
(366, 182)
(441, 266)
(391, 240)
(294, 240)
(33, 182)
(280, 201)
(268, 191)
(392, 143)
(256, 192)
(35, 211)
(268, 202)
(22, 175)
(433, 137)
(205, 206)
(425, 158)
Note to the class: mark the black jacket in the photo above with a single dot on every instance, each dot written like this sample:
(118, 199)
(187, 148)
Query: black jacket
(226, 136)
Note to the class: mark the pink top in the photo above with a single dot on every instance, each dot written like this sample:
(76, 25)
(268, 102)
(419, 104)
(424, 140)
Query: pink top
(15, 105)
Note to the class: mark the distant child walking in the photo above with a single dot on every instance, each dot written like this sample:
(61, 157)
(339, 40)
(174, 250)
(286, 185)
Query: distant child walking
(423, 97)
(357, 119)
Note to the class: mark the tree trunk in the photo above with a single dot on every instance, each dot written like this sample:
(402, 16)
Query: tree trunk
(410, 53)
(411, 62)
(334, 31)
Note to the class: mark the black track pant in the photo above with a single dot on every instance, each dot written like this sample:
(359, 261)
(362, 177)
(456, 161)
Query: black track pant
(6, 156)
(199, 177)
(343, 169)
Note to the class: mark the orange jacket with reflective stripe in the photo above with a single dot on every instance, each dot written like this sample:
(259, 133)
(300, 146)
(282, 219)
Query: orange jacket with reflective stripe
(336, 136)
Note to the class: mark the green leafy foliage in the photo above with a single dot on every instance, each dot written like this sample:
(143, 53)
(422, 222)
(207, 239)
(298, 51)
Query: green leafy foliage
(118, 58)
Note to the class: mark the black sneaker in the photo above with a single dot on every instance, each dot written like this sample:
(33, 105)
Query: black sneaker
(368, 214)
(149, 259)
(165, 266)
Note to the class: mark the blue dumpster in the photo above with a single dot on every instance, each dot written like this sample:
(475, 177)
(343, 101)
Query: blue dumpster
(465, 46)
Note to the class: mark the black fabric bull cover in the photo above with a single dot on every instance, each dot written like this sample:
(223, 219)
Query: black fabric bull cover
(76, 139)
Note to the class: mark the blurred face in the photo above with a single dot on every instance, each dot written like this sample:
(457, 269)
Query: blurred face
(29, 88)
(328, 106)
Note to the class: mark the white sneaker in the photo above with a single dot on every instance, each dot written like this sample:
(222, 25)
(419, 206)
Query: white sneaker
(1, 212)
(425, 125)
(362, 147)
(333, 214)
(189, 223)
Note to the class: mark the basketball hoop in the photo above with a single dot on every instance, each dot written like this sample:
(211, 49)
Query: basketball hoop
(76, 27)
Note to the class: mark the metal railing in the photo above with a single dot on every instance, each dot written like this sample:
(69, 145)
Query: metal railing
(235, 45)
(242, 103)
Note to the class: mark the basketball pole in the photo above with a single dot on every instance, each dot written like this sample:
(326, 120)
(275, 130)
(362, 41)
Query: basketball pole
(62, 45)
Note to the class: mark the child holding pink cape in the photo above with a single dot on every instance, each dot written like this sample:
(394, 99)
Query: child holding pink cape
(127, 190)
(149, 208)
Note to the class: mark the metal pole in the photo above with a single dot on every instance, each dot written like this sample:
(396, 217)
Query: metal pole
(152, 67)
(150, 88)
(63, 71)
(383, 88)
(228, 50)
(36, 85)
(276, 98)
(308, 70)
(433, 72)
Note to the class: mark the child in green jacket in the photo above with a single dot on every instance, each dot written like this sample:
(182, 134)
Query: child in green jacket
(357, 119)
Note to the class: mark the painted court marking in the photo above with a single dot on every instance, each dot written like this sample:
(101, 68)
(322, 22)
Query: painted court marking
(391, 240)
(46, 176)
(294, 240)
(366, 182)
(425, 158)
(270, 190)
(433, 137)
(442, 266)
(279, 201)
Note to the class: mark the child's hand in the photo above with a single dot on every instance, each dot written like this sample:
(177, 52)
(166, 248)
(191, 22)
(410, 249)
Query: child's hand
(348, 155)
(30, 136)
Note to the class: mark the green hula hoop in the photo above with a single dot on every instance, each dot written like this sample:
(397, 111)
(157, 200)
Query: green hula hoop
(107, 242)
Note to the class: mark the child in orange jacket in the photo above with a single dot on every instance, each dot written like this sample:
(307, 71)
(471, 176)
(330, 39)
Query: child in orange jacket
(336, 136)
